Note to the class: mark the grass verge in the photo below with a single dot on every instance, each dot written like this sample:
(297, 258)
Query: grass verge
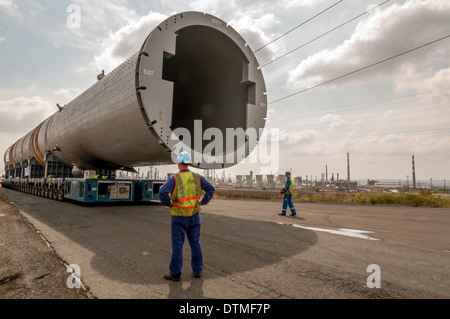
(415, 199)
(3, 197)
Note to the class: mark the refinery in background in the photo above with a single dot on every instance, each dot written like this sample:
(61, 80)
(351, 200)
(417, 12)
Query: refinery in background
(326, 181)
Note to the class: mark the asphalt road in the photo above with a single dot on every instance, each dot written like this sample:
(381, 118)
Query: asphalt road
(250, 252)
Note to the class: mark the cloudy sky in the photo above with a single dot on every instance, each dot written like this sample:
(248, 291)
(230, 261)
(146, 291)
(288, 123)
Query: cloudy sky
(329, 92)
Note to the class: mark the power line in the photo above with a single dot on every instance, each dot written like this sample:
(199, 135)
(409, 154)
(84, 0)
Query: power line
(320, 36)
(383, 121)
(360, 69)
(346, 110)
(232, 7)
(303, 23)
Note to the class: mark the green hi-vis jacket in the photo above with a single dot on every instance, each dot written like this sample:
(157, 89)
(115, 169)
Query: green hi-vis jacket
(290, 190)
(186, 194)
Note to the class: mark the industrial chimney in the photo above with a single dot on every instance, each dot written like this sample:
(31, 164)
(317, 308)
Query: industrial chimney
(348, 167)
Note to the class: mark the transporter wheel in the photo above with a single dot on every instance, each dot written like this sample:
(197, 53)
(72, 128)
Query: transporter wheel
(55, 194)
(60, 195)
(46, 190)
(42, 192)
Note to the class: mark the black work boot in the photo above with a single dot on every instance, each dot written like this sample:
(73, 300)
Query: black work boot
(170, 277)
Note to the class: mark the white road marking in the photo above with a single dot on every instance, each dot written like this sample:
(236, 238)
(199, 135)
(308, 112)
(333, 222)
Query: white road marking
(340, 231)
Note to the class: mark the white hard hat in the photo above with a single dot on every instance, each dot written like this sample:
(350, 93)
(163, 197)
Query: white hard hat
(184, 158)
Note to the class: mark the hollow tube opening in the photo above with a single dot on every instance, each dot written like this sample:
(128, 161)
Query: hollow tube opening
(208, 81)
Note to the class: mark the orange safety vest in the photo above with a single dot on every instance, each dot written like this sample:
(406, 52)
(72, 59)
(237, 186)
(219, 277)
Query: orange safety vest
(186, 194)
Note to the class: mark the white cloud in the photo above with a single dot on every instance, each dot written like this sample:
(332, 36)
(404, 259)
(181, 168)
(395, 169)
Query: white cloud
(255, 27)
(10, 7)
(66, 95)
(99, 15)
(126, 41)
(3, 39)
(288, 4)
(123, 43)
(206, 6)
(24, 9)
(23, 114)
(333, 120)
(294, 137)
(380, 36)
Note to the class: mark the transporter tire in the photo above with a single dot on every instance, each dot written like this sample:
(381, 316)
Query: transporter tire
(55, 194)
(60, 195)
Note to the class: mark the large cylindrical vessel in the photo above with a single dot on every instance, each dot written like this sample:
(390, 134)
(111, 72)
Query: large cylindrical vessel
(193, 67)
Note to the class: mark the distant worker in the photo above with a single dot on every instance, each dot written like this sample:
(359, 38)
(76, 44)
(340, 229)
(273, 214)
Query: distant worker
(182, 193)
(288, 191)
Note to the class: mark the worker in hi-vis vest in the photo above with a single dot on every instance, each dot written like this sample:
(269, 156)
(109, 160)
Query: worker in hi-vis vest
(288, 191)
(182, 193)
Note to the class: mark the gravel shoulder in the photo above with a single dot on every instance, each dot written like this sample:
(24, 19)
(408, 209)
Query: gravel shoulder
(29, 268)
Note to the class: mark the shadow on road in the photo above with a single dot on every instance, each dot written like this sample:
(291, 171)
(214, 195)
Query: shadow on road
(131, 244)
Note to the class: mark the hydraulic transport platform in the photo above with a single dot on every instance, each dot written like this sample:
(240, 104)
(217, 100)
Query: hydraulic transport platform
(88, 190)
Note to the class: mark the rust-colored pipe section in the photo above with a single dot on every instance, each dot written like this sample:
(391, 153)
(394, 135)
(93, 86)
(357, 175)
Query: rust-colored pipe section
(34, 146)
(11, 157)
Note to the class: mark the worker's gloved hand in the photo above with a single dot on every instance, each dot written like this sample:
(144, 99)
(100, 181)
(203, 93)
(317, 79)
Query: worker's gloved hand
(282, 191)
(171, 205)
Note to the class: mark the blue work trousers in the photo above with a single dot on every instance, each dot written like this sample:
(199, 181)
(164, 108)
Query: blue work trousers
(180, 228)
(287, 201)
